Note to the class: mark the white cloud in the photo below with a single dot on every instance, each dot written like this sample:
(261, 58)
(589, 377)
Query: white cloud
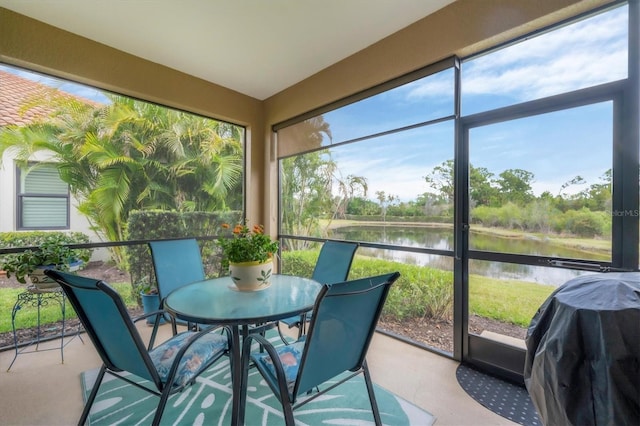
(589, 52)
(399, 175)
(579, 55)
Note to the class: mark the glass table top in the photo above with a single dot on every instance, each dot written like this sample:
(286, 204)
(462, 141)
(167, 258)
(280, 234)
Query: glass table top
(218, 300)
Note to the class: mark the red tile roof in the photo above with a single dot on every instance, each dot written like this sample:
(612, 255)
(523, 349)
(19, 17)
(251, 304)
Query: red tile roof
(15, 91)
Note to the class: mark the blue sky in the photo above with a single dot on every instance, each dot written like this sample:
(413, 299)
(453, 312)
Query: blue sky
(555, 148)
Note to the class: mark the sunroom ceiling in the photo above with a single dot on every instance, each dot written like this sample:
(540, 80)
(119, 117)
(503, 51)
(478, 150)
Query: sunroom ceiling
(255, 47)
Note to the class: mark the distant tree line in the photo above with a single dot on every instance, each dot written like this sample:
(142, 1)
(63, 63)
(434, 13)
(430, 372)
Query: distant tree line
(505, 200)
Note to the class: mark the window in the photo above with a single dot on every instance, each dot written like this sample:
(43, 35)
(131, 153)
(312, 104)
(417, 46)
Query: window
(364, 172)
(43, 198)
(533, 182)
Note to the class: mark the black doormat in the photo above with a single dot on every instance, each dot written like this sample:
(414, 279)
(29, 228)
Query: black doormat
(503, 398)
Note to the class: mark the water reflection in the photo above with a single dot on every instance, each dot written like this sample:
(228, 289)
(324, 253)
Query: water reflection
(442, 239)
(434, 261)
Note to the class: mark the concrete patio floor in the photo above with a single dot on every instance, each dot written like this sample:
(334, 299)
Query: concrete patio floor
(39, 390)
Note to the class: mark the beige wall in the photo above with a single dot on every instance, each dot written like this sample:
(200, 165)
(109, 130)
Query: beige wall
(462, 28)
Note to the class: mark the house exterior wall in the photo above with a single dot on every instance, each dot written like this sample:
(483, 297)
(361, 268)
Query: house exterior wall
(8, 188)
(8, 207)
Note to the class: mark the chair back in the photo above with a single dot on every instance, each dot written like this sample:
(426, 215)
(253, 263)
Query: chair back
(176, 263)
(107, 322)
(344, 320)
(334, 262)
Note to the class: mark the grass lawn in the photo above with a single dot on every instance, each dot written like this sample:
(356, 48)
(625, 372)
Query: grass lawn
(506, 300)
(28, 316)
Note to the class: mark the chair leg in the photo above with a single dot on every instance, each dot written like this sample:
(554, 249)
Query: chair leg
(160, 409)
(174, 327)
(372, 395)
(282, 336)
(92, 395)
(302, 325)
(154, 333)
(287, 409)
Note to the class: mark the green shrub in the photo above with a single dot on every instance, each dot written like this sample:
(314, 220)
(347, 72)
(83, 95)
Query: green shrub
(52, 249)
(34, 238)
(161, 224)
(510, 216)
(424, 292)
(485, 215)
(419, 292)
(585, 223)
(299, 262)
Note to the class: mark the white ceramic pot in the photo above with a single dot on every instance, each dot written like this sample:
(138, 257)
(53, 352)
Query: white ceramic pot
(251, 276)
(41, 281)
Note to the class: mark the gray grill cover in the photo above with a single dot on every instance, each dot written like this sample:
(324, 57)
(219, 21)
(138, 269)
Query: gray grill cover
(583, 352)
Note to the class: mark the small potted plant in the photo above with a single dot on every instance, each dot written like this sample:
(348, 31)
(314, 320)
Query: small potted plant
(249, 256)
(150, 299)
(52, 252)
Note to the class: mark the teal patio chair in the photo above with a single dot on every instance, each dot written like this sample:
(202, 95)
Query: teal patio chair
(169, 367)
(176, 263)
(344, 320)
(332, 266)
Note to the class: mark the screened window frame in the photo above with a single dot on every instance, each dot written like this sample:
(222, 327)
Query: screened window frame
(21, 196)
(452, 62)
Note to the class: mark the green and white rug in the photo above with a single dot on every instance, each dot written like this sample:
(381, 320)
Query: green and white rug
(208, 402)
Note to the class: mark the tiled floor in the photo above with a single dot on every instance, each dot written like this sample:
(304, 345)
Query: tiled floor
(39, 390)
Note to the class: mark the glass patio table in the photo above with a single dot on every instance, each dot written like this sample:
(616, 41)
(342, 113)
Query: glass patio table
(217, 301)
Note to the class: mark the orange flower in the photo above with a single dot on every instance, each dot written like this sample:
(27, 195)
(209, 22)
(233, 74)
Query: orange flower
(225, 225)
(247, 244)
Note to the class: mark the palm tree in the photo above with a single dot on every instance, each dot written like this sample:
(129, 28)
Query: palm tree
(131, 155)
(309, 180)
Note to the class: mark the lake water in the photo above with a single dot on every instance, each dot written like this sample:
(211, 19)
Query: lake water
(442, 239)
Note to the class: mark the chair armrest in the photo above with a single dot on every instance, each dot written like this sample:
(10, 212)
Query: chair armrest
(159, 313)
(147, 315)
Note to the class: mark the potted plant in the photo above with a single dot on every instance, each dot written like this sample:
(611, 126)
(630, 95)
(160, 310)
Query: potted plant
(249, 256)
(150, 299)
(52, 252)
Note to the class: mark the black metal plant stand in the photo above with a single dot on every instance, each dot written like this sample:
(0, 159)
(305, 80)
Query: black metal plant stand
(36, 298)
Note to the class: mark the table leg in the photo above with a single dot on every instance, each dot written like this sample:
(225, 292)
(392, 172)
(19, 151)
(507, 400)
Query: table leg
(236, 373)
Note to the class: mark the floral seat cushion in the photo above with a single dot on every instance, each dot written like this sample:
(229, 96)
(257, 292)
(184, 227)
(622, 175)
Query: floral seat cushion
(290, 356)
(206, 347)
